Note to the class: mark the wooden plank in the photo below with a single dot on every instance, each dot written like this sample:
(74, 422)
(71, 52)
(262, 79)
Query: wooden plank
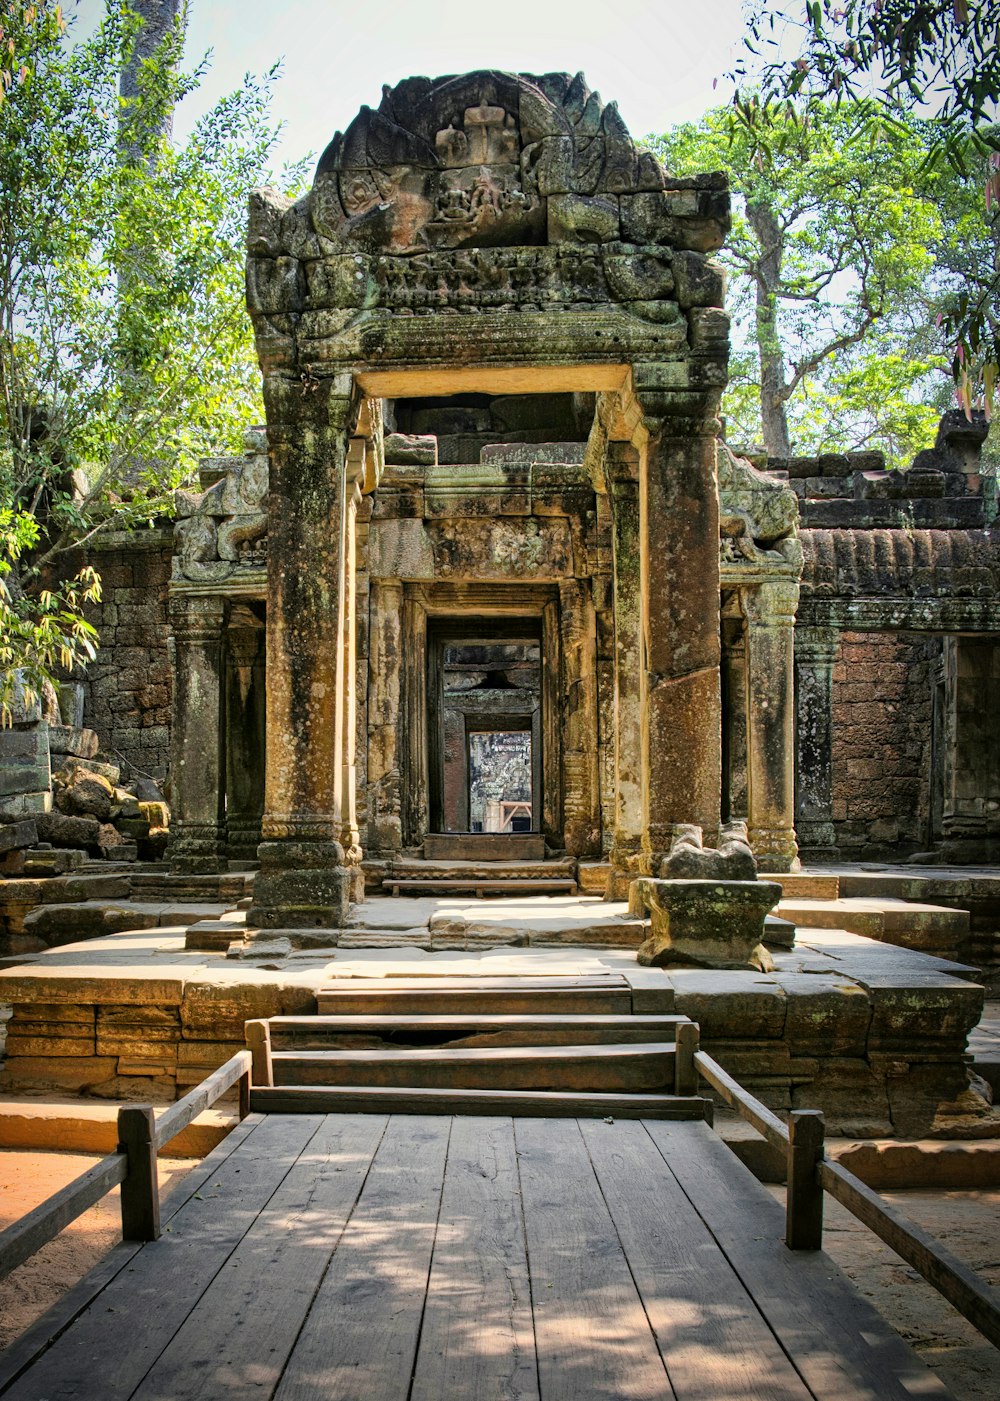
(531, 1021)
(542, 1029)
(18, 1242)
(237, 1341)
(380, 1099)
(94, 1360)
(202, 1097)
(477, 1338)
(838, 1343)
(26, 1349)
(645, 1066)
(592, 1336)
(767, 1123)
(713, 1340)
(360, 1338)
(976, 1300)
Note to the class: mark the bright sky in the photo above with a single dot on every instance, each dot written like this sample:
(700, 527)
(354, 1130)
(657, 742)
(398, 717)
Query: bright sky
(656, 58)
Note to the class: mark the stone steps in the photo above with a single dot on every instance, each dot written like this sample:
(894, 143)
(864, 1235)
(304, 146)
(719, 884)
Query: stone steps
(458, 1031)
(517, 1044)
(608, 1068)
(513, 996)
(926, 928)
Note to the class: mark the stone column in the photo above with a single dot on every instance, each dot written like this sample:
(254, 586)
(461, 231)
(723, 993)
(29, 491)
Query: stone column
(815, 655)
(246, 731)
(347, 688)
(581, 788)
(770, 613)
(734, 720)
(304, 879)
(622, 471)
(196, 767)
(681, 708)
(385, 719)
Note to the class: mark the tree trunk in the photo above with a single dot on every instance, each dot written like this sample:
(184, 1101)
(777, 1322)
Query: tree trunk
(159, 19)
(773, 386)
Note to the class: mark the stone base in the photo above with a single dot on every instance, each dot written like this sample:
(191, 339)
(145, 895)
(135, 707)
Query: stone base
(775, 848)
(705, 923)
(301, 899)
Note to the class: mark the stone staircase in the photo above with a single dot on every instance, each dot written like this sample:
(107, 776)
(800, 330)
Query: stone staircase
(478, 1045)
(481, 878)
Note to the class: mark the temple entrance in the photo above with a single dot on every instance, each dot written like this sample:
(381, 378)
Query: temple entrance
(484, 717)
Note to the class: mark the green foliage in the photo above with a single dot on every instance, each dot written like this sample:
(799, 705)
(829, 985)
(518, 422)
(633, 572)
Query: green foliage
(38, 635)
(125, 349)
(939, 59)
(830, 262)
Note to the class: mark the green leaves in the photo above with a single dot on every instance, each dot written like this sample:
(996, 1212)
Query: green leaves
(125, 349)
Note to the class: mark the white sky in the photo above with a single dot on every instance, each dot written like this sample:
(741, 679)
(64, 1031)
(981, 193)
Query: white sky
(656, 58)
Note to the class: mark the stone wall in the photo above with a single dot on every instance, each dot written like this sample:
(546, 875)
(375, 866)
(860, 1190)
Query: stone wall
(128, 686)
(882, 724)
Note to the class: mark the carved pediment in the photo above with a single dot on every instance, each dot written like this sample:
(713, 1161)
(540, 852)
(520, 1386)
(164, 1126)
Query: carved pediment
(463, 162)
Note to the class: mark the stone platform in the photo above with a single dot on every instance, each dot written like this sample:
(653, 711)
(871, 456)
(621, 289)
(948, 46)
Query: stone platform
(873, 1034)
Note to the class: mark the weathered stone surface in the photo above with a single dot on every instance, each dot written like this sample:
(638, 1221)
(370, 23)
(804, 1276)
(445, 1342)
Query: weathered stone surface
(16, 835)
(688, 859)
(87, 794)
(705, 923)
(62, 830)
(67, 739)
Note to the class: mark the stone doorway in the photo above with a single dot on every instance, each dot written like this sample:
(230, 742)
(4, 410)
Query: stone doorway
(484, 712)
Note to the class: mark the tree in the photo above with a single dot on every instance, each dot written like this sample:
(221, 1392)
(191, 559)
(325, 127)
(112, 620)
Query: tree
(938, 58)
(829, 260)
(125, 350)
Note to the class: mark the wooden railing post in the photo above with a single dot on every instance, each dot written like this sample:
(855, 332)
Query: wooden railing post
(685, 1071)
(804, 1201)
(140, 1191)
(258, 1036)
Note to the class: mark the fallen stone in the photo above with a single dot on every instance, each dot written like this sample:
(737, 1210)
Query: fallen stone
(86, 795)
(65, 739)
(62, 830)
(157, 814)
(264, 948)
(14, 836)
(52, 861)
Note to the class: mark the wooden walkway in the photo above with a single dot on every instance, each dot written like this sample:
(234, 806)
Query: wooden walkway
(423, 1258)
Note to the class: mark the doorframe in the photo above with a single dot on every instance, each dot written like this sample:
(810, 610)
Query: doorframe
(422, 604)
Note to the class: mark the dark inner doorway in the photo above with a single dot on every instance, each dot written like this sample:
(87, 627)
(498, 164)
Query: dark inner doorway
(484, 722)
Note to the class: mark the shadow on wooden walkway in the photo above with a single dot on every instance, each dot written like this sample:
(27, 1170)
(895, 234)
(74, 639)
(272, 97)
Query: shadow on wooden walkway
(425, 1258)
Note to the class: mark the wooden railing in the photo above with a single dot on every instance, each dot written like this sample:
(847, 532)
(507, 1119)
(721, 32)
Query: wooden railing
(140, 1135)
(810, 1174)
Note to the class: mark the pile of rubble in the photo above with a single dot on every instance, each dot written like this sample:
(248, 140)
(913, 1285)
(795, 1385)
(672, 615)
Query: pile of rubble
(62, 802)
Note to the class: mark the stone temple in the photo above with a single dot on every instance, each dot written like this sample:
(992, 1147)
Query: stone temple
(490, 589)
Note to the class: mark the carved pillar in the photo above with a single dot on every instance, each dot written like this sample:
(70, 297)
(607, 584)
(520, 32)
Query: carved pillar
(304, 879)
(815, 655)
(347, 689)
(681, 709)
(581, 789)
(626, 847)
(196, 767)
(734, 719)
(770, 613)
(246, 731)
(385, 718)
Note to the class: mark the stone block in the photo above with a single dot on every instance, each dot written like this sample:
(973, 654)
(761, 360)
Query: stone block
(25, 805)
(705, 923)
(62, 830)
(52, 861)
(218, 1011)
(14, 836)
(411, 450)
(80, 744)
(82, 1074)
(825, 1015)
(24, 761)
(747, 1005)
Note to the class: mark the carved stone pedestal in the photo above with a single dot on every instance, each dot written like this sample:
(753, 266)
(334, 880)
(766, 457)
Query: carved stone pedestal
(705, 923)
